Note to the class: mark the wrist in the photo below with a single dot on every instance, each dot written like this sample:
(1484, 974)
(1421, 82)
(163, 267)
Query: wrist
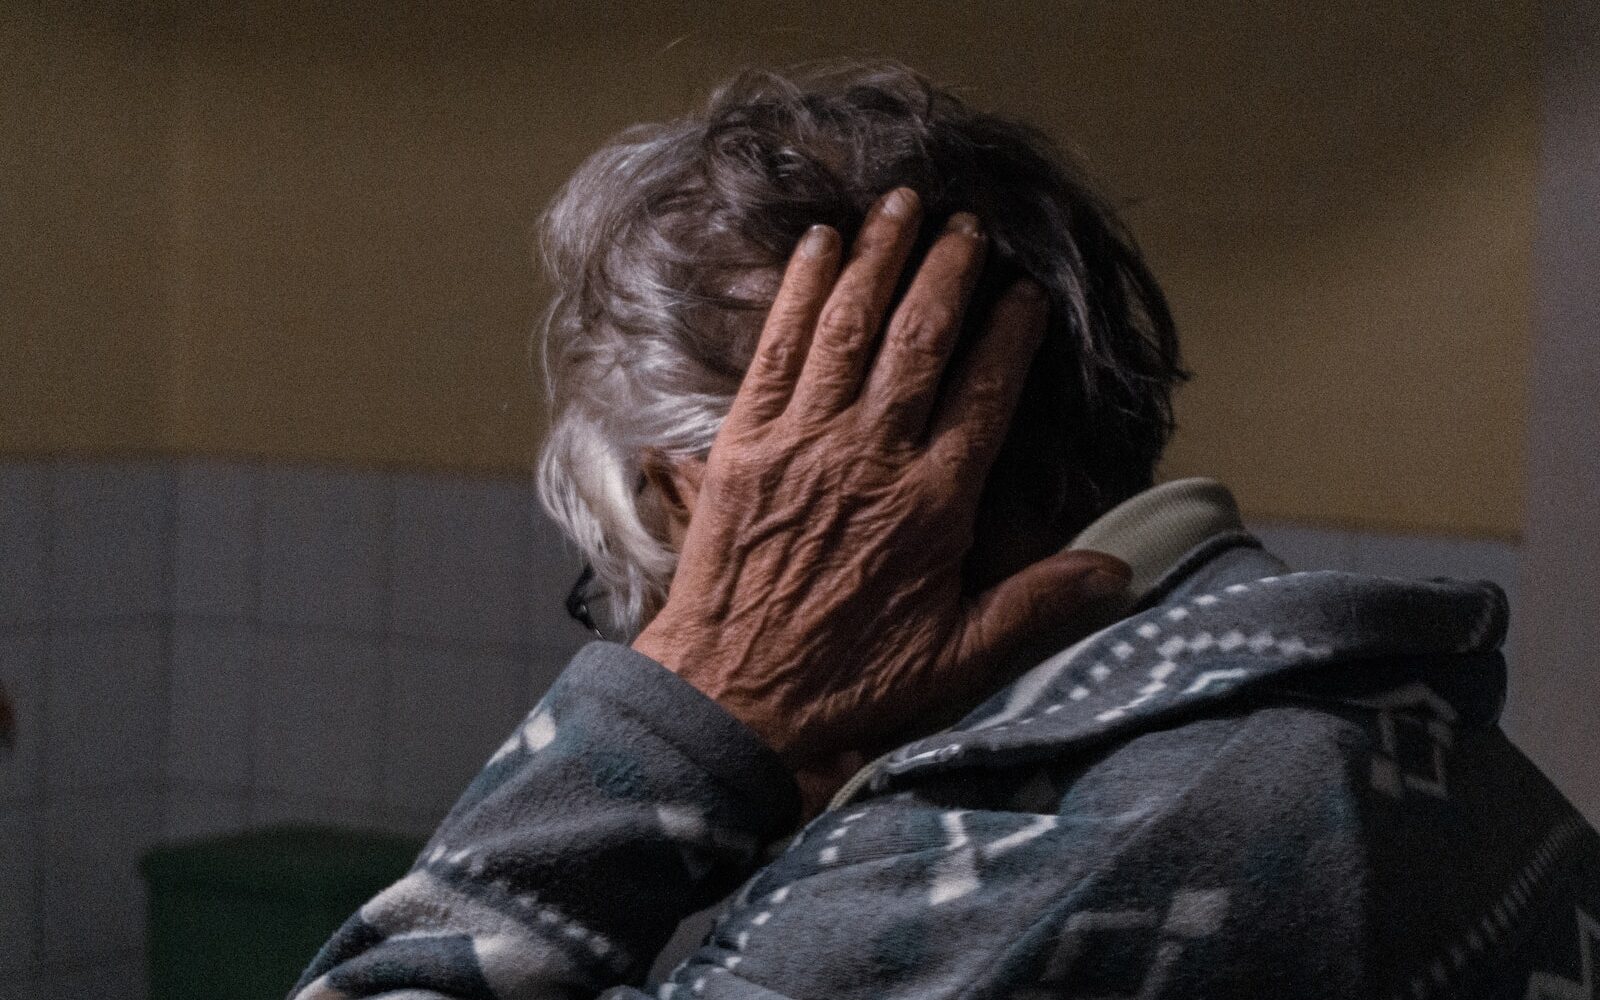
(708, 668)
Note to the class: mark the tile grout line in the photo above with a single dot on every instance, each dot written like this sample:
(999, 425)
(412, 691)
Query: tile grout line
(49, 495)
(94, 624)
(255, 557)
(385, 666)
(406, 640)
(165, 640)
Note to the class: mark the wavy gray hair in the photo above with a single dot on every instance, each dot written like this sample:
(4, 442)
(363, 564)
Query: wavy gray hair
(663, 249)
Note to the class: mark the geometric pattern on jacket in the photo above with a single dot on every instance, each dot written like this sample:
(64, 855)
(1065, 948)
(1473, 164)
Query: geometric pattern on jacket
(1260, 784)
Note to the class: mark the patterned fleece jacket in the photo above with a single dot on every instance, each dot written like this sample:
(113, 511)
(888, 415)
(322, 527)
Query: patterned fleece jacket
(1257, 784)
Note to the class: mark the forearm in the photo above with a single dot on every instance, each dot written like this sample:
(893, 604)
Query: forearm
(625, 801)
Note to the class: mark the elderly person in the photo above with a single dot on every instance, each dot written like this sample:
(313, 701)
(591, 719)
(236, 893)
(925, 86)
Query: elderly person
(867, 479)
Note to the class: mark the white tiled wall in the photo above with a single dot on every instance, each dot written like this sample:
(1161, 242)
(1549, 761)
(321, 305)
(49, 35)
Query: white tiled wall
(23, 522)
(324, 549)
(212, 703)
(83, 631)
(201, 647)
(445, 712)
(215, 551)
(110, 539)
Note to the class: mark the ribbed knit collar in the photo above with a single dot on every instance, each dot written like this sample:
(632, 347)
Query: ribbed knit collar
(1152, 530)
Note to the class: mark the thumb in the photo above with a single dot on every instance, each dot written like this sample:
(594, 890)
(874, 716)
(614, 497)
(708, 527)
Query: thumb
(1046, 606)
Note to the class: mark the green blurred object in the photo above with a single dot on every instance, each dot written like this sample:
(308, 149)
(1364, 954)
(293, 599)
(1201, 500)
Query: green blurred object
(239, 917)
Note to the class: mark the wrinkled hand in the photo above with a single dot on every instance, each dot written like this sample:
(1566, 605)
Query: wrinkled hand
(818, 595)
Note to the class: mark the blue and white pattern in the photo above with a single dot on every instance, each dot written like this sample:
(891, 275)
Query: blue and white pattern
(1234, 792)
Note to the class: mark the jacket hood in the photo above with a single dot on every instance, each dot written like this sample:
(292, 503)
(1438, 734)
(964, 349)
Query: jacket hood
(1236, 634)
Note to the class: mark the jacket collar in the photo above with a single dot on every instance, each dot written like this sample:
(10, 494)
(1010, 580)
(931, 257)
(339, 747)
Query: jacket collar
(1166, 534)
(1155, 530)
(1212, 616)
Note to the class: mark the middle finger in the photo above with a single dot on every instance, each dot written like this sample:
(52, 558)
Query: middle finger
(904, 383)
(849, 322)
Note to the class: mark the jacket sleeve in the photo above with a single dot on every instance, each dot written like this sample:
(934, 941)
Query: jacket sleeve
(624, 802)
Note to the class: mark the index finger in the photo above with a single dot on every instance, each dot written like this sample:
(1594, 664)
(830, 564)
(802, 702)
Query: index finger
(786, 335)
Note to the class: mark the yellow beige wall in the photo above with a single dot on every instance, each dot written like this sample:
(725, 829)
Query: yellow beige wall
(84, 330)
(310, 238)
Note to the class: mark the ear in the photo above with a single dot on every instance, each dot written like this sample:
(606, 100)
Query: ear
(677, 482)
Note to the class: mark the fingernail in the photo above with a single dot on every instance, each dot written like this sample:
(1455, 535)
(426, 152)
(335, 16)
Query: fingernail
(962, 222)
(897, 204)
(817, 241)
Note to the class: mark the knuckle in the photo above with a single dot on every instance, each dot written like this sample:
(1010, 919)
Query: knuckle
(781, 355)
(830, 376)
(746, 467)
(844, 323)
(985, 391)
(921, 328)
(894, 415)
(732, 451)
(952, 456)
(898, 452)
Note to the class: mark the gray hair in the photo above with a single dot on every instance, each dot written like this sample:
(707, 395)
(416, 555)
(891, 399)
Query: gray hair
(662, 246)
